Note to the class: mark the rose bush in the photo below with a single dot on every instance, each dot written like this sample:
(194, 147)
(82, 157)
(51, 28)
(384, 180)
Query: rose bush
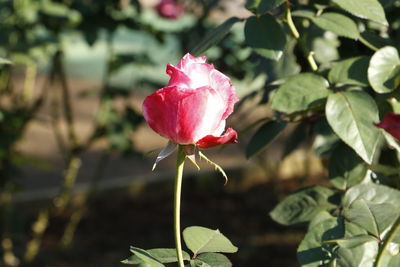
(194, 106)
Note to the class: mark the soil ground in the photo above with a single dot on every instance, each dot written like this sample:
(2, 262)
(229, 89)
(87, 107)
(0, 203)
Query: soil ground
(141, 216)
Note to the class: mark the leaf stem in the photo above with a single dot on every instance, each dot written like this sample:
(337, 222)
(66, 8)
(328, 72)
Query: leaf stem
(311, 61)
(390, 236)
(290, 22)
(296, 35)
(177, 203)
(365, 42)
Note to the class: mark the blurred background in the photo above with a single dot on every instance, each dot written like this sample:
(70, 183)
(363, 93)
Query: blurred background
(76, 186)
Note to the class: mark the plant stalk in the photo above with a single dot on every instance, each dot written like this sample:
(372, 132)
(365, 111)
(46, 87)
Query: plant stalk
(177, 203)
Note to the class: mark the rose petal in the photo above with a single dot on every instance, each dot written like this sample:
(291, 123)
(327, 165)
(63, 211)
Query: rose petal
(169, 9)
(223, 86)
(160, 112)
(184, 115)
(200, 114)
(229, 137)
(189, 59)
(178, 77)
(391, 124)
(199, 74)
(194, 76)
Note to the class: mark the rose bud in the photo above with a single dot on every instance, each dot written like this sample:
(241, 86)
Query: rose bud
(391, 124)
(193, 107)
(169, 9)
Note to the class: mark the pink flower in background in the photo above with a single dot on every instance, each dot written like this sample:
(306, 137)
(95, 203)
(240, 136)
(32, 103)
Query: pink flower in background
(169, 9)
(391, 124)
(192, 109)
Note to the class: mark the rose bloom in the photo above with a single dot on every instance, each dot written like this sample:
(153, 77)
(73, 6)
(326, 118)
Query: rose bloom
(169, 9)
(194, 106)
(391, 124)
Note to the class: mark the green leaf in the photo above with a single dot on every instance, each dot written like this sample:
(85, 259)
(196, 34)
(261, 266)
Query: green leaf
(163, 255)
(375, 218)
(354, 241)
(300, 92)
(338, 24)
(198, 263)
(265, 35)
(346, 168)
(214, 36)
(384, 70)
(374, 41)
(360, 214)
(146, 257)
(356, 248)
(200, 240)
(393, 260)
(307, 14)
(264, 136)
(319, 218)
(392, 143)
(52, 8)
(325, 48)
(384, 169)
(350, 71)
(366, 9)
(261, 6)
(362, 255)
(286, 66)
(302, 206)
(351, 115)
(312, 252)
(214, 259)
(296, 138)
(325, 139)
(374, 193)
(4, 61)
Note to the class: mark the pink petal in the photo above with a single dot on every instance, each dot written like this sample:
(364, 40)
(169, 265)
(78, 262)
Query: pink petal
(230, 137)
(200, 115)
(189, 59)
(199, 74)
(169, 9)
(178, 77)
(160, 112)
(391, 124)
(223, 86)
(184, 115)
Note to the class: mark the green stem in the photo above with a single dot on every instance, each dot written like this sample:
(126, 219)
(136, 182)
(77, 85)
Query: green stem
(177, 203)
(390, 236)
(290, 22)
(364, 42)
(296, 34)
(311, 61)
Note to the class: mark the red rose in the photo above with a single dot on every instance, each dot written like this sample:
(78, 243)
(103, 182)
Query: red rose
(169, 9)
(391, 124)
(192, 109)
